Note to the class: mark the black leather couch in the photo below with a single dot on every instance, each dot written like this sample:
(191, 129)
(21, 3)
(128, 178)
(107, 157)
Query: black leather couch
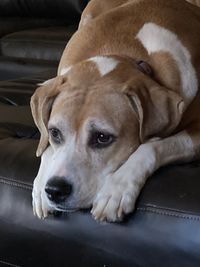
(165, 228)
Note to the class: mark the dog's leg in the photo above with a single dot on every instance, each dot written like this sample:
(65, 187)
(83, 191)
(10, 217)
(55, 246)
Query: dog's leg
(39, 198)
(118, 194)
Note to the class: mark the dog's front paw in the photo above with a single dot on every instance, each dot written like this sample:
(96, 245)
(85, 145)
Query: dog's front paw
(116, 198)
(39, 201)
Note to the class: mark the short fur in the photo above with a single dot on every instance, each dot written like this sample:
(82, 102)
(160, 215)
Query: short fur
(132, 69)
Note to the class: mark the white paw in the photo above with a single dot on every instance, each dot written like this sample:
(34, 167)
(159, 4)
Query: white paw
(39, 201)
(116, 198)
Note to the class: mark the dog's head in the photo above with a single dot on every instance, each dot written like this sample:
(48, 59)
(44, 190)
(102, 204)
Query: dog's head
(94, 117)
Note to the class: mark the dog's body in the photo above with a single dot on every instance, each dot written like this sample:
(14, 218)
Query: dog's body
(125, 102)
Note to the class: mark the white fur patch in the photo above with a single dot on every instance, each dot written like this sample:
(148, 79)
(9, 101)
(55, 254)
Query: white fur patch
(155, 38)
(104, 64)
(65, 70)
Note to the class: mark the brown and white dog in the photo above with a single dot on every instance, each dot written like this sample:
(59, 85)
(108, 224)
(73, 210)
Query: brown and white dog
(125, 102)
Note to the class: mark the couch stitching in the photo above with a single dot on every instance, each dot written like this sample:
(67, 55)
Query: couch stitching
(28, 187)
(14, 183)
(9, 264)
(7, 41)
(167, 213)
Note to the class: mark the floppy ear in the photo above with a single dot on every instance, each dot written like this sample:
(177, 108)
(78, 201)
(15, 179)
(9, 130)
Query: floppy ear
(41, 104)
(159, 110)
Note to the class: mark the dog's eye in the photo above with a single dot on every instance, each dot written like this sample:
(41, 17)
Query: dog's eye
(100, 140)
(56, 135)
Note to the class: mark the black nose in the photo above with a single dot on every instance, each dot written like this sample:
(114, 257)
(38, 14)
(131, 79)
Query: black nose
(58, 189)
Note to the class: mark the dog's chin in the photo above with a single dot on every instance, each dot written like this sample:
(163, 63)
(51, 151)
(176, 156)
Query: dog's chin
(69, 207)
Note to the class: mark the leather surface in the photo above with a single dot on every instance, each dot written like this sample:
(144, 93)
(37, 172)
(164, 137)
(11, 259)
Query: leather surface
(42, 43)
(176, 187)
(147, 239)
(26, 47)
(42, 8)
(12, 68)
(14, 24)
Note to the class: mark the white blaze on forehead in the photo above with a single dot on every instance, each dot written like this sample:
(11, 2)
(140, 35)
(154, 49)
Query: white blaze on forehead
(155, 39)
(104, 64)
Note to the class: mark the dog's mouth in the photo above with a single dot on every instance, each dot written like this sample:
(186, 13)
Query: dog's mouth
(62, 208)
(66, 209)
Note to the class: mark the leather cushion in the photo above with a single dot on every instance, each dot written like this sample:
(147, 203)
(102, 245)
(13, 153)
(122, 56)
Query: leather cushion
(17, 93)
(43, 43)
(14, 24)
(12, 68)
(43, 8)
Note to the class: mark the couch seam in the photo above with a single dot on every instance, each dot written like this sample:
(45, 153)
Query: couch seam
(33, 41)
(18, 91)
(9, 264)
(22, 185)
(167, 213)
(14, 183)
